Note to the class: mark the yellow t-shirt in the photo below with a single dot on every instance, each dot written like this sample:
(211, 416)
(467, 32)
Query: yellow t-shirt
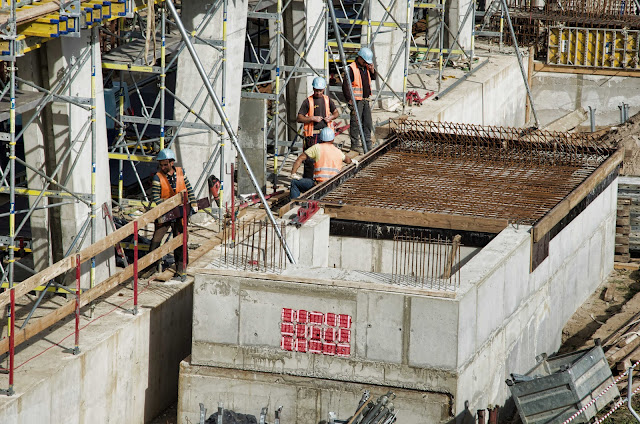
(314, 151)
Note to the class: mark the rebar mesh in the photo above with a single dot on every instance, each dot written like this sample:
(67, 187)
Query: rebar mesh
(256, 248)
(457, 169)
(430, 263)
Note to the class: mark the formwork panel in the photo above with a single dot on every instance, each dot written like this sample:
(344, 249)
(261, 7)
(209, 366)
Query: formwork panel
(593, 47)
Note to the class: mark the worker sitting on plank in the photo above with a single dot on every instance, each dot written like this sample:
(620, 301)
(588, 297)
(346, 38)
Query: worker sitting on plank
(316, 112)
(328, 162)
(361, 72)
(168, 181)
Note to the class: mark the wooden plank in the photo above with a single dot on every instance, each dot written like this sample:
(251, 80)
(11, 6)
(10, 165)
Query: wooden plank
(418, 219)
(68, 263)
(541, 67)
(627, 266)
(556, 214)
(36, 326)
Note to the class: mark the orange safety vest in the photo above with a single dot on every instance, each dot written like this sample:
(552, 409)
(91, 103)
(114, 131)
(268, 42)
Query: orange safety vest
(328, 163)
(308, 127)
(357, 81)
(166, 190)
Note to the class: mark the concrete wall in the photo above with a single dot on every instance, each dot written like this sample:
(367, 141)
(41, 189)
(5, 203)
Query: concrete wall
(499, 319)
(556, 94)
(481, 98)
(508, 316)
(304, 400)
(372, 255)
(127, 369)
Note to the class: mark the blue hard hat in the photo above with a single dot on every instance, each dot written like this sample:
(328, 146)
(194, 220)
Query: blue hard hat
(327, 134)
(319, 83)
(166, 154)
(366, 54)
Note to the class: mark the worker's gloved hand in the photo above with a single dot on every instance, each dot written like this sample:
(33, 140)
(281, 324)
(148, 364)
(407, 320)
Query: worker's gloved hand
(295, 176)
(356, 162)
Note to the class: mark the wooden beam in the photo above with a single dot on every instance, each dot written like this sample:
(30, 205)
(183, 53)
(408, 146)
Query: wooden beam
(542, 67)
(417, 219)
(68, 263)
(561, 210)
(37, 325)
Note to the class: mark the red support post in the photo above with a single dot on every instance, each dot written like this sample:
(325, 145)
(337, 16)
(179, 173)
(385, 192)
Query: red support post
(135, 267)
(233, 207)
(185, 216)
(76, 350)
(12, 347)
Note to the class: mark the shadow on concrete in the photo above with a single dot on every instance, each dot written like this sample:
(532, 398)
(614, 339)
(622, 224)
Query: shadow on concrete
(170, 326)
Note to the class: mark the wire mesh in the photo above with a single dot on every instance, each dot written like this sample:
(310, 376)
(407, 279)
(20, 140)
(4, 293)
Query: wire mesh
(256, 248)
(426, 262)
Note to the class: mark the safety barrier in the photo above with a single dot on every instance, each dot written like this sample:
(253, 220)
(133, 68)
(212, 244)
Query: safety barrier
(83, 298)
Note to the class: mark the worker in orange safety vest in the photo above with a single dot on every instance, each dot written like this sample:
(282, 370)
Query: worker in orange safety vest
(328, 163)
(320, 115)
(166, 183)
(361, 72)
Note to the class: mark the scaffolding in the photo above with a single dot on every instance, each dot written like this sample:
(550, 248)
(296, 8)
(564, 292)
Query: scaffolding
(346, 26)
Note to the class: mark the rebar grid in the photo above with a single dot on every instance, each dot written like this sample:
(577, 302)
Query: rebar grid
(426, 262)
(595, 10)
(257, 248)
(489, 172)
(500, 144)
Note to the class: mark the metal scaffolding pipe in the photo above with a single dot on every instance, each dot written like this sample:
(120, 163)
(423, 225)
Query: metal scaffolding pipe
(226, 123)
(343, 58)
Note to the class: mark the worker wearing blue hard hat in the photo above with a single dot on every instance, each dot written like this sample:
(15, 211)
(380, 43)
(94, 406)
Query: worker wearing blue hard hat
(167, 182)
(361, 73)
(328, 163)
(316, 112)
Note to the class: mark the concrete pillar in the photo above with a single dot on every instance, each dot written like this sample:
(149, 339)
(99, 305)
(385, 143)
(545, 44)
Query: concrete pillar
(194, 150)
(454, 15)
(30, 68)
(388, 46)
(67, 125)
(300, 20)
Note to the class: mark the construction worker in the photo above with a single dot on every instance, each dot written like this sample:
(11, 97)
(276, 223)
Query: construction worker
(361, 73)
(168, 181)
(328, 162)
(315, 118)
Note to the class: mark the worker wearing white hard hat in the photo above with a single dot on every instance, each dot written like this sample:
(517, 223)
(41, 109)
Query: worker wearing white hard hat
(316, 112)
(361, 72)
(328, 163)
(166, 183)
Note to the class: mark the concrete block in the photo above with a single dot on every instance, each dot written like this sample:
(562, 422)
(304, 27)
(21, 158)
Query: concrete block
(357, 254)
(216, 310)
(385, 327)
(516, 287)
(334, 259)
(433, 338)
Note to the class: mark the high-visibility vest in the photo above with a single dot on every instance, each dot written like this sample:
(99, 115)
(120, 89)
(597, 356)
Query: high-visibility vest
(357, 81)
(308, 127)
(328, 163)
(166, 191)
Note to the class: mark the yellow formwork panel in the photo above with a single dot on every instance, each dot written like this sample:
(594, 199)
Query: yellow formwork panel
(594, 48)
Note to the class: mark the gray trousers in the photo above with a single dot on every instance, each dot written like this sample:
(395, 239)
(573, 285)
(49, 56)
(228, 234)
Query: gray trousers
(364, 109)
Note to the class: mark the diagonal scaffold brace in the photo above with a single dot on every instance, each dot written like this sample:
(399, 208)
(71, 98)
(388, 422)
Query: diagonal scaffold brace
(225, 122)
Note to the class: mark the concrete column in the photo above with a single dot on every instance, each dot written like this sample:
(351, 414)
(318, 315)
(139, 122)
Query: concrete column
(455, 10)
(300, 19)
(388, 44)
(30, 68)
(67, 124)
(193, 151)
